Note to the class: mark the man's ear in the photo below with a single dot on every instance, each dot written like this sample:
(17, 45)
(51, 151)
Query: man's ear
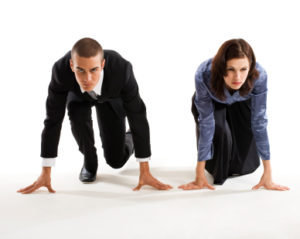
(71, 64)
(103, 63)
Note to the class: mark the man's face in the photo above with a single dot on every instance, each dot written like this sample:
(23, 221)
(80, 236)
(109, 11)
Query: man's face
(237, 70)
(87, 70)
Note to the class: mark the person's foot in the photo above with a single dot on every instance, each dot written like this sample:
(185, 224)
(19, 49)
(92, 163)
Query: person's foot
(86, 177)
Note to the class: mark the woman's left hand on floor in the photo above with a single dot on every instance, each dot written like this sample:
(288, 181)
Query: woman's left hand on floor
(267, 183)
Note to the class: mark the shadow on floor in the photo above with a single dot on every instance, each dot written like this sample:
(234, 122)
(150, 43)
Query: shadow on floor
(119, 187)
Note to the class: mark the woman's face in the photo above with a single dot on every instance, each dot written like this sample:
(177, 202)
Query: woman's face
(236, 72)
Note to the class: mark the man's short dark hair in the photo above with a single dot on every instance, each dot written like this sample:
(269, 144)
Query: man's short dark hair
(87, 47)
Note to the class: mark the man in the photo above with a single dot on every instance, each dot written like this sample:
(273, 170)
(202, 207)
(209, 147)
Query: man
(90, 76)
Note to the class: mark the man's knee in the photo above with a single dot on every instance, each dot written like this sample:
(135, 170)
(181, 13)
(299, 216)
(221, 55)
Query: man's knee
(115, 160)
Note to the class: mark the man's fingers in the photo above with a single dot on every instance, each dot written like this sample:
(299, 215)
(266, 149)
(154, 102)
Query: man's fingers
(282, 188)
(50, 189)
(26, 188)
(277, 188)
(30, 190)
(285, 188)
(162, 186)
(169, 186)
(137, 188)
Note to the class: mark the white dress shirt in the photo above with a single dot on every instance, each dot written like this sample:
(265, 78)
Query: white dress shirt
(50, 162)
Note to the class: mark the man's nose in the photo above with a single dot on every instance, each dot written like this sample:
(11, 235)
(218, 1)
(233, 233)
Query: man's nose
(88, 78)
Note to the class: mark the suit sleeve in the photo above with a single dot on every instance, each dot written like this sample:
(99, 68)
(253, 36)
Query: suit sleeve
(206, 119)
(55, 111)
(136, 114)
(259, 118)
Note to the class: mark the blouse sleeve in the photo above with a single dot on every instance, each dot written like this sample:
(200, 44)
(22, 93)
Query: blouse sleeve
(206, 119)
(259, 119)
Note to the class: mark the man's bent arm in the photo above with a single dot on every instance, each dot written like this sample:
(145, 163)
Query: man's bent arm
(136, 114)
(55, 111)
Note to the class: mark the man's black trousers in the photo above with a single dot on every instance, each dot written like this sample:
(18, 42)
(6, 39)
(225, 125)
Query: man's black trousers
(116, 143)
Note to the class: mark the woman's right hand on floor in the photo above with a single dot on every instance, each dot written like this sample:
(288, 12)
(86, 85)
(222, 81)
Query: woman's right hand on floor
(199, 183)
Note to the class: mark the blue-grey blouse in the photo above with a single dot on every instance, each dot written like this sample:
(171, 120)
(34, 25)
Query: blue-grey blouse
(204, 104)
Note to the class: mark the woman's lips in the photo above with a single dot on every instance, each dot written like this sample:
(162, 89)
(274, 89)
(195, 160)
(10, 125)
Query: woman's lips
(236, 83)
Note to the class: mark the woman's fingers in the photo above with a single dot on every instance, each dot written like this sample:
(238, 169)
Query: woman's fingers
(271, 186)
(257, 186)
(210, 187)
(186, 186)
(279, 187)
(193, 186)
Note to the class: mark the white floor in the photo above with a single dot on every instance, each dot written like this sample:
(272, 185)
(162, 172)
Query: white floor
(109, 208)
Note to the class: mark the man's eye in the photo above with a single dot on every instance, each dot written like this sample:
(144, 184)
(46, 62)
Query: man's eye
(93, 70)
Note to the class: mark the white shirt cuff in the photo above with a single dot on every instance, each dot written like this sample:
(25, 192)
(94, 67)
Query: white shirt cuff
(48, 162)
(140, 160)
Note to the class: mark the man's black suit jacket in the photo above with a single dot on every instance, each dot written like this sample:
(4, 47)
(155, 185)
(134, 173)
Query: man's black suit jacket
(118, 83)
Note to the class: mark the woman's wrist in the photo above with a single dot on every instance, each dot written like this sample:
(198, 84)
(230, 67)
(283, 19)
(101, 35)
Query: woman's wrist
(267, 167)
(200, 170)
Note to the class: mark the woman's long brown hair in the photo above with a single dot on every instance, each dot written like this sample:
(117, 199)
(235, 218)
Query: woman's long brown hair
(235, 48)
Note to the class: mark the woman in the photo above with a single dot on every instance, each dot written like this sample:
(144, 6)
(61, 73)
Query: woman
(229, 108)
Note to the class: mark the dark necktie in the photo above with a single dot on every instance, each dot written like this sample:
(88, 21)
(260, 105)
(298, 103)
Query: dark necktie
(93, 94)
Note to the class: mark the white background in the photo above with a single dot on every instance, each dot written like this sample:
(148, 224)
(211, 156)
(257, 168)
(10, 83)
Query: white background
(165, 41)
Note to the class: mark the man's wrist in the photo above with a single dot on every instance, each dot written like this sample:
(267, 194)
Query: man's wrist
(46, 170)
(144, 167)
